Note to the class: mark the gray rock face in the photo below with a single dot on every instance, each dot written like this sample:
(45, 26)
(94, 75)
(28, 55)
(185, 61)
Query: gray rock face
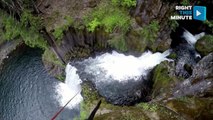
(147, 11)
(201, 81)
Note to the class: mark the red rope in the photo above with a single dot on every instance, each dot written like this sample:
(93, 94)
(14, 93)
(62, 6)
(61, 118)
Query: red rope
(54, 117)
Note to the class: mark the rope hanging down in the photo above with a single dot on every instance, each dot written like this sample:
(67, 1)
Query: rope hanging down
(55, 116)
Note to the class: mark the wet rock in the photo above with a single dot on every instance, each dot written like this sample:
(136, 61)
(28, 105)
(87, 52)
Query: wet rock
(123, 93)
(126, 93)
(186, 56)
(142, 111)
(147, 11)
(192, 108)
(164, 79)
(204, 45)
(201, 81)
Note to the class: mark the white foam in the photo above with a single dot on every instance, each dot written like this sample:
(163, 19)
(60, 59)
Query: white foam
(70, 88)
(121, 67)
(192, 39)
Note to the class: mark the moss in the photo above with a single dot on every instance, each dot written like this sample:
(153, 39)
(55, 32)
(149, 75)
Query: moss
(142, 111)
(50, 57)
(204, 45)
(118, 42)
(91, 97)
(163, 78)
(124, 3)
(150, 32)
(141, 38)
(60, 77)
(58, 31)
(173, 24)
(77, 52)
(185, 2)
(192, 107)
(148, 106)
(172, 56)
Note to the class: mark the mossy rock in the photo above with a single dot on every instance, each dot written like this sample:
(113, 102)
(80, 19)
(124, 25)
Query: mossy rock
(142, 111)
(163, 78)
(192, 108)
(135, 41)
(204, 45)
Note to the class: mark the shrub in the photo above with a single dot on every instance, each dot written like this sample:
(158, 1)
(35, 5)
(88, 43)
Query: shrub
(124, 3)
(58, 32)
(109, 17)
(150, 32)
(112, 18)
(27, 28)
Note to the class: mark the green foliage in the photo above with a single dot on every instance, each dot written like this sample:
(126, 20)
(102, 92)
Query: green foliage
(124, 3)
(58, 32)
(93, 24)
(150, 32)
(50, 57)
(209, 23)
(60, 77)
(108, 16)
(173, 24)
(112, 18)
(27, 28)
(185, 2)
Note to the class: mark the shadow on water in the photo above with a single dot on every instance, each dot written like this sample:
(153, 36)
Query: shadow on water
(27, 92)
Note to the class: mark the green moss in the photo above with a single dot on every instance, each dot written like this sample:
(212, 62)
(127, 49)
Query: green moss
(58, 32)
(50, 57)
(118, 42)
(172, 56)
(173, 24)
(150, 32)
(60, 77)
(185, 2)
(162, 79)
(192, 107)
(209, 23)
(124, 3)
(204, 45)
(148, 106)
(90, 100)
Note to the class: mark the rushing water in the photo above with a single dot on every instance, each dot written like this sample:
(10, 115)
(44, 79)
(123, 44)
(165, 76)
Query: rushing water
(122, 79)
(27, 92)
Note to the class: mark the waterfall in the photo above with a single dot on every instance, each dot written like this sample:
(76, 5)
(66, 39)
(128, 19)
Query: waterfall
(192, 39)
(121, 67)
(114, 75)
(70, 88)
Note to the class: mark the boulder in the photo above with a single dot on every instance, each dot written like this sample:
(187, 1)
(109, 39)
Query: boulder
(200, 83)
(204, 45)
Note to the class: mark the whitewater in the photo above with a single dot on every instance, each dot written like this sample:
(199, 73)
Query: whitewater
(105, 68)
